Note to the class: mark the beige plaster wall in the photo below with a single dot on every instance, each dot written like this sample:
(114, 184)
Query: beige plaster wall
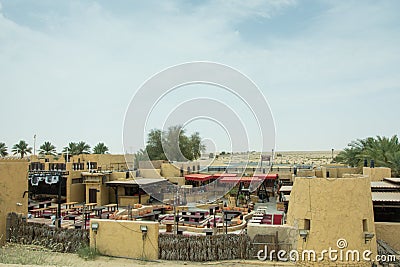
(305, 173)
(102, 195)
(336, 209)
(125, 239)
(131, 200)
(150, 173)
(77, 192)
(154, 164)
(377, 174)
(342, 172)
(118, 176)
(178, 180)
(170, 170)
(286, 233)
(13, 184)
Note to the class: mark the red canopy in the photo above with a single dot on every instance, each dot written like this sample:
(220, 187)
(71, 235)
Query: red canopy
(256, 177)
(198, 177)
(271, 176)
(218, 175)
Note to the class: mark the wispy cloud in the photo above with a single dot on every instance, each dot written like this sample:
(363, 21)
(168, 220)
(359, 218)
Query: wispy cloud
(68, 69)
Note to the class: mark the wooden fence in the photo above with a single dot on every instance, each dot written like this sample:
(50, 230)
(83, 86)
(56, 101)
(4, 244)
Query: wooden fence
(60, 240)
(204, 248)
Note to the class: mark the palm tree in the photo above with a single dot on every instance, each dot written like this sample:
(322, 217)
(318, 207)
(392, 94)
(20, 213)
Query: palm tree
(21, 148)
(383, 150)
(352, 155)
(71, 149)
(380, 150)
(82, 148)
(100, 148)
(3, 150)
(47, 149)
(394, 161)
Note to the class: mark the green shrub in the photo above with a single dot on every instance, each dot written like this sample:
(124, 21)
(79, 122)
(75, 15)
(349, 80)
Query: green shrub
(88, 253)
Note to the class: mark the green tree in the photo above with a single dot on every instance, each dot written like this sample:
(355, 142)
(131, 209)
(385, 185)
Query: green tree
(173, 145)
(380, 149)
(177, 144)
(82, 148)
(77, 148)
(196, 145)
(383, 150)
(140, 156)
(100, 148)
(3, 150)
(154, 147)
(47, 149)
(394, 163)
(71, 149)
(21, 148)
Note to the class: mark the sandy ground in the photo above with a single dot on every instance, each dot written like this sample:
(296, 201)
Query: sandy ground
(37, 256)
(286, 157)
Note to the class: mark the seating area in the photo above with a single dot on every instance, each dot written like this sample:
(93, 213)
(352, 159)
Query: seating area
(202, 218)
(73, 214)
(78, 215)
(264, 216)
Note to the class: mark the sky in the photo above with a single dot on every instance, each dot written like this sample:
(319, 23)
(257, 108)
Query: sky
(328, 69)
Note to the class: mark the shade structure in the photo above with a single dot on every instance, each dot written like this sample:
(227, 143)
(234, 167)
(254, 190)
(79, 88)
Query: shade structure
(256, 177)
(198, 177)
(221, 175)
(270, 176)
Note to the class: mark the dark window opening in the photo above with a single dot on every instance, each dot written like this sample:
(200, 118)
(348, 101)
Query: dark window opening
(91, 165)
(307, 224)
(365, 225)
(131, 191)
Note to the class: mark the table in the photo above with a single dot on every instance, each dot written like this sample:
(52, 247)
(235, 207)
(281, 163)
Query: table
(53, 208)
(77, 208)
(44, 204)
(195, 218)
(38, 212)
(69, 205)
(111, 207)
(90, 206)
(98, 211)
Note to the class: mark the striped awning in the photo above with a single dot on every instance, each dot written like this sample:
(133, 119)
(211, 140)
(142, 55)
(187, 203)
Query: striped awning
(386, 197)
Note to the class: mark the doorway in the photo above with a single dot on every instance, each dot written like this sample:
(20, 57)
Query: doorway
(93, 195)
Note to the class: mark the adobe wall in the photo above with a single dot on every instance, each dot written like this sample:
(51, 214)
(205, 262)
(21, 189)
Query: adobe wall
(377, 174)
(13, 184)
(336, 209)
(125, 239)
